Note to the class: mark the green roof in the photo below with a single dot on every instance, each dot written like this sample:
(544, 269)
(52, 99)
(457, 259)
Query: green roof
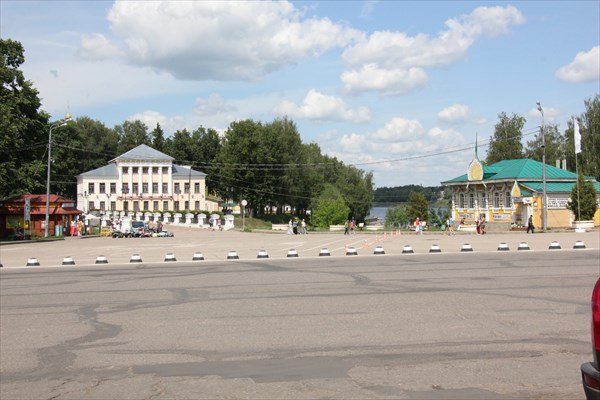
(555, 187)
(519, 170)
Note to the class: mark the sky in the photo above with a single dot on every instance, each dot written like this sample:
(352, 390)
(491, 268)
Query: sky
(402, 89)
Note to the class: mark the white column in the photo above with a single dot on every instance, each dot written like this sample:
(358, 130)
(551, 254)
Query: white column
(140, 180)
(150, 175)
(130, 172)
(170, 180)
(160, 181)
(119, 181)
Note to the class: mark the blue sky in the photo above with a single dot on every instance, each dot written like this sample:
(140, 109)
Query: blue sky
(382, 85)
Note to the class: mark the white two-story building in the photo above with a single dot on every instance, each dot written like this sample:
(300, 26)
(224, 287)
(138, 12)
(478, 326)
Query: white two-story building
(142, 180)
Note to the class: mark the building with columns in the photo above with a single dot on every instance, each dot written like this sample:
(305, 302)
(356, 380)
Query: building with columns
(142, 180)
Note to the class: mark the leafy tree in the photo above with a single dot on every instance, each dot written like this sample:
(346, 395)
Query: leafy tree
(329, 208)
(208, 145)
(132, 134)
(506, 142)
(583, 203)
(397, 216)
(590, 138)
(555, 149)
(418, 206)
(24, 135)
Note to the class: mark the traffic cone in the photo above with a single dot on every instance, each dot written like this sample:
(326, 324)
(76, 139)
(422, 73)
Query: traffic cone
(366, 245)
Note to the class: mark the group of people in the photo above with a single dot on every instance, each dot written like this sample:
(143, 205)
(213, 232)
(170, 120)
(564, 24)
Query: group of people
(77, 228)
(293, 227)
(349, 226)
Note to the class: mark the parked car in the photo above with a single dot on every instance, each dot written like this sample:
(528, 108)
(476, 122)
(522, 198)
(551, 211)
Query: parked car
(590, 371)
(140, 229)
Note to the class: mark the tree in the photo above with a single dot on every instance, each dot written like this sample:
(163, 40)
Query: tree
(158, 138)
(506, 142)
(555, 149)
(397, 216)
(24, 137)
(330, 208)
(418, 206)
(590, 138)
(132, 134)
(583, 203)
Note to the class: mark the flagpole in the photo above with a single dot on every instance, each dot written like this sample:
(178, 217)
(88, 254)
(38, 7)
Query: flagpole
(577, 142)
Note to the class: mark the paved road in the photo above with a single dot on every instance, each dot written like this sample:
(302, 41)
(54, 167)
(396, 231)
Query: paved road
(494, 325)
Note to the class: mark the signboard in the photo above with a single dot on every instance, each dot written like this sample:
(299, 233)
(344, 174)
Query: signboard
(501, 217)
(27, 209)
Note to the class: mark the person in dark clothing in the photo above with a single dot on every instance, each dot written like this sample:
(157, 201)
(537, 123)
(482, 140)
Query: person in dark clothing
(530, 226)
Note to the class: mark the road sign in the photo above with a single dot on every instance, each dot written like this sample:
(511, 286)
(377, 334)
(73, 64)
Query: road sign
(27, 209)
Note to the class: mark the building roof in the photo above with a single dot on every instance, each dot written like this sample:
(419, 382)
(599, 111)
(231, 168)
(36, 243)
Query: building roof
(143, 153)
(554, 187)
(108, 171)
(522, 169)
(184, 171)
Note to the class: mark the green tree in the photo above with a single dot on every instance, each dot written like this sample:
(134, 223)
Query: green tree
(397, 216)
(418, 206)
(329, 208)
(158, 138)
(24, 137)
(132, 134)
(506, 144)
(555, 148)
(583, 201)
(590, 138)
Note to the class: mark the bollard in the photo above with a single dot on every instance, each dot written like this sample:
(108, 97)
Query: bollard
(324, 252)
(32, 262)
(554, 245)
(351, 251)
(198, 256)
(523, 246)
(579, 245)
(466, 247)
(379, 251)
(292, 253)
(435, 249)
(170, 257)
(135, 259)
(101, 260)
(503, 247)
(407, 250)
(232, 255)
(262, 254)
(68, 260)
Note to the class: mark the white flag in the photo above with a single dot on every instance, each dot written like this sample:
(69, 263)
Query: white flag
(576, 136)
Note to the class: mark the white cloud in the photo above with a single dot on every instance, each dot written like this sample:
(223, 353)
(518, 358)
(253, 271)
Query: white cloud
(396, 51)
(320, 107)
(96, 47)
(217, 40)
(168, 124)
(584, 68)
(215, 104)
(550, 114)
(456, 113)
(387, 81)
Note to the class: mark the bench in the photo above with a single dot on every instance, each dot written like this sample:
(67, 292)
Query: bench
(467, 228)
(279, 227)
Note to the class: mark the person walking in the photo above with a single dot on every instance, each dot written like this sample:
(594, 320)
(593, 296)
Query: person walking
(451, 226)
(417, 226)
(530, 226)
(290, 231)
(346, 226)
(303, 227)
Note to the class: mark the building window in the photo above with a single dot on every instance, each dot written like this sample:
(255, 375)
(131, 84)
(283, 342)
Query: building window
(197, 187)
(461, 200)
(155, 205)
(136, 206)
(102, 206)
(125, 170)
(135, 189)
(144, 188)
(165, 170)
(144, 170)
(165, 187)
(186, 187)
(102, 188)
(483, 201)
(186, 205)
(113, 187)
(176, 205)
(197, 205)
(125, 188)
(176, 188)
(91, 187)
(154, 187)
(471, 200)
(135, 170)
(507, 200)
(91, 206)
(146, 205)
(125, 206)
(165, 206)
(497, 200)
(113, 205)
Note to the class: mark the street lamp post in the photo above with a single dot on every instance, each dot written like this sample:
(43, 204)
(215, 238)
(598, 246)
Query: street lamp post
(53, 126)
(544, 199)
